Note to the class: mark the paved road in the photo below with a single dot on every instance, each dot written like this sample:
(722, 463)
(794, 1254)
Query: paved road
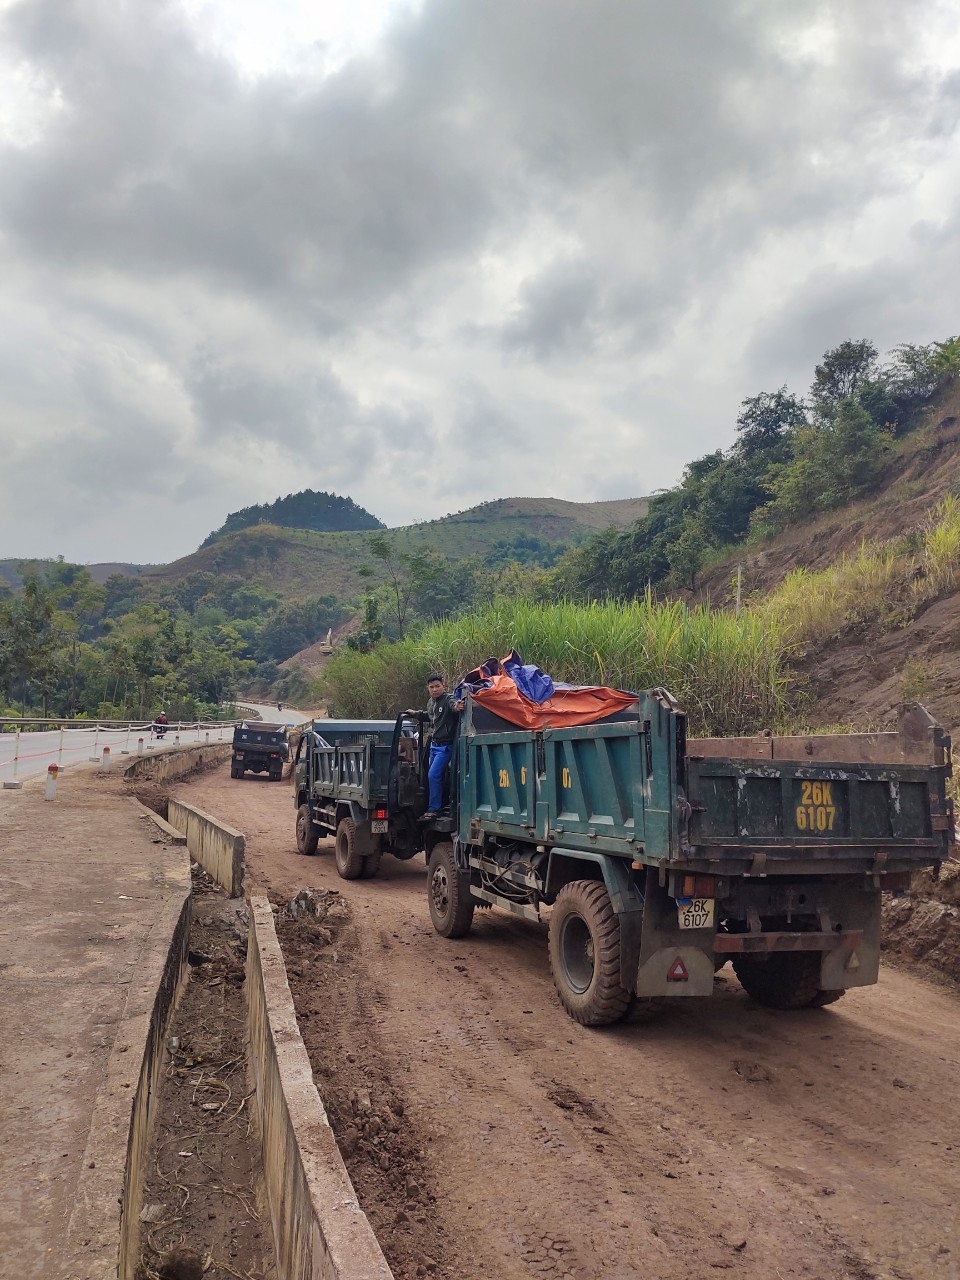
(27, 754)
(273, 715)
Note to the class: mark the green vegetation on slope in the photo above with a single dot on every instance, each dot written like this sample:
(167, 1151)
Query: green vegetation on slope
(726, 670)
(305, 510)
(885, 584)
(303, 562)
(71, 646)
(791, 458)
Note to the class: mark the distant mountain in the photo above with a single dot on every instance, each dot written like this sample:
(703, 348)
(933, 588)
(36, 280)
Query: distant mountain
(10, 569)
(297, 563)
(323, 512)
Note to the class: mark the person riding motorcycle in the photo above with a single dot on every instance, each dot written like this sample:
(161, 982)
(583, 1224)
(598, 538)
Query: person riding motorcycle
(160, 724)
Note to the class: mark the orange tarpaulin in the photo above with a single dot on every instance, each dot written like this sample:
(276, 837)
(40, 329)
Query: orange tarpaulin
(564, 709)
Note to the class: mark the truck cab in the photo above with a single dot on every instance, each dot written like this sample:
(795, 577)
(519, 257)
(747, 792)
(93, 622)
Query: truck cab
(363, 782)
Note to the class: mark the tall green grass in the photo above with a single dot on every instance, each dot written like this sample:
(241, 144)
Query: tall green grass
(727, 671)
(883, 584)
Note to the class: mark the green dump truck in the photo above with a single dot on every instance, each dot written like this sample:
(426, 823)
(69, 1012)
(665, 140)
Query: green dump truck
(259, 748)
(660, 857)
(362, 782)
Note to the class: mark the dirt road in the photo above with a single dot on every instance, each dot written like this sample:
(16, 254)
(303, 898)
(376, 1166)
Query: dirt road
(723, 1137)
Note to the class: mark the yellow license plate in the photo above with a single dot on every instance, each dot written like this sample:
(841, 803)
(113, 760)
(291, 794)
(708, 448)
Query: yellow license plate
(696, 913)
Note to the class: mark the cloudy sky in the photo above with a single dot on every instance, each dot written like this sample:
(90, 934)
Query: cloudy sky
(427, 254)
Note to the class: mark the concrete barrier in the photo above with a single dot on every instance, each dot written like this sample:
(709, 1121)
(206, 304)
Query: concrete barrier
(218, 848)
(168, 765)
(146, 1096)
(109, 1193)
(320, 1232)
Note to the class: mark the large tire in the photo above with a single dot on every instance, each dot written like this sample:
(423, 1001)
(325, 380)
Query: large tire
(823, 998)
(307, 839)
(448, 893)
(585, 954)
(371, 866)
(784, 979)
(349, 862)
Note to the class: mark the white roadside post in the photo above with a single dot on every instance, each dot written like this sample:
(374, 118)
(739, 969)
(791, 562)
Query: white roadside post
(14, 784)
(126, 744)
(139, 746)
(176, 736)
(60, 748)
(50, 790)
(96, 746)
(105, 766)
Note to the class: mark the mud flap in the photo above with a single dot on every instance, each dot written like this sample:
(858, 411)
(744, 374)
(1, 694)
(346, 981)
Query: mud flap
(673, 961)
(860, 967)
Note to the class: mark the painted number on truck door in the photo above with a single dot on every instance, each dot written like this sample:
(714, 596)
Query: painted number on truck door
(504, 778)
(816, 811)
(565, 780)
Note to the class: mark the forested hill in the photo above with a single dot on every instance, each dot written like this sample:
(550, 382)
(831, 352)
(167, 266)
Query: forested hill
(323, 512)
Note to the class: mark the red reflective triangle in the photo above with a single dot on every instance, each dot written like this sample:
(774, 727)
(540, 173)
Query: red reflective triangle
(677, 971)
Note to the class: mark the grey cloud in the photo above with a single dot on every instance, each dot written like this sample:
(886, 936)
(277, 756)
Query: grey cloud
(524, 225)
(555, 312)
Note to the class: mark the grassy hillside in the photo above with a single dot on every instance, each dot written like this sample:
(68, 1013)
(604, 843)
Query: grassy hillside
(10, 570)
(870, 591)
(298, 562)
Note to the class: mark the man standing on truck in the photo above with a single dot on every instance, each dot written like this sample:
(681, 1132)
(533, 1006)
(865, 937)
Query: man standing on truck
(443, 713)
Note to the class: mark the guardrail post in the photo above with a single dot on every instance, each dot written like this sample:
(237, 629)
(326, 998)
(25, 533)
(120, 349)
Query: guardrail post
(176, 736)
(206, 738)
(126, 746)
(139, 746)
(60, 748)
(96, 746)
(14, 784)
(50, 790)
(105, 767)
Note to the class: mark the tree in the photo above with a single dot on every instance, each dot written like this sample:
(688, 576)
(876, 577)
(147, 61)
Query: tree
(765, 425)
(841, 375)
(28, 640)
(410, 576)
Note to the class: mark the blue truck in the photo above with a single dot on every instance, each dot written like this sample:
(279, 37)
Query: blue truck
(656, 858)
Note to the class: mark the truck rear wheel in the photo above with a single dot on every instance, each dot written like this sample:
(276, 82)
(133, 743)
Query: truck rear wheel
(349, 862)
(451, 905)
(585, 954)
(371, 866)
(784, 979)
(307, 839)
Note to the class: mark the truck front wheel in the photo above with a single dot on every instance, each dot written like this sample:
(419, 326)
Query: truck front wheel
(585, 954)
(784, 979)
(349, 862)
(307, 839)
(451, 906)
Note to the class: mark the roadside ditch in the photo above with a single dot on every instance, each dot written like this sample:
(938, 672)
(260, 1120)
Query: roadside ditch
(204, 1211)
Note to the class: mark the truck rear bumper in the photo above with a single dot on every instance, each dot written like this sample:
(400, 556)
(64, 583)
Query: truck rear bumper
(738, 943)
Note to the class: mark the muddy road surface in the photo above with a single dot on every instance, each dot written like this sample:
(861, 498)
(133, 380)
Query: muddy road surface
(722, 1137)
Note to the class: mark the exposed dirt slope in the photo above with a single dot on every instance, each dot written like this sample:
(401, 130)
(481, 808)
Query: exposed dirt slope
(725, 1137)
(861, 674)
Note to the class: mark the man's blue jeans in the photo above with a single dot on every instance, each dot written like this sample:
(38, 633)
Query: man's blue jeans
(439, 760)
